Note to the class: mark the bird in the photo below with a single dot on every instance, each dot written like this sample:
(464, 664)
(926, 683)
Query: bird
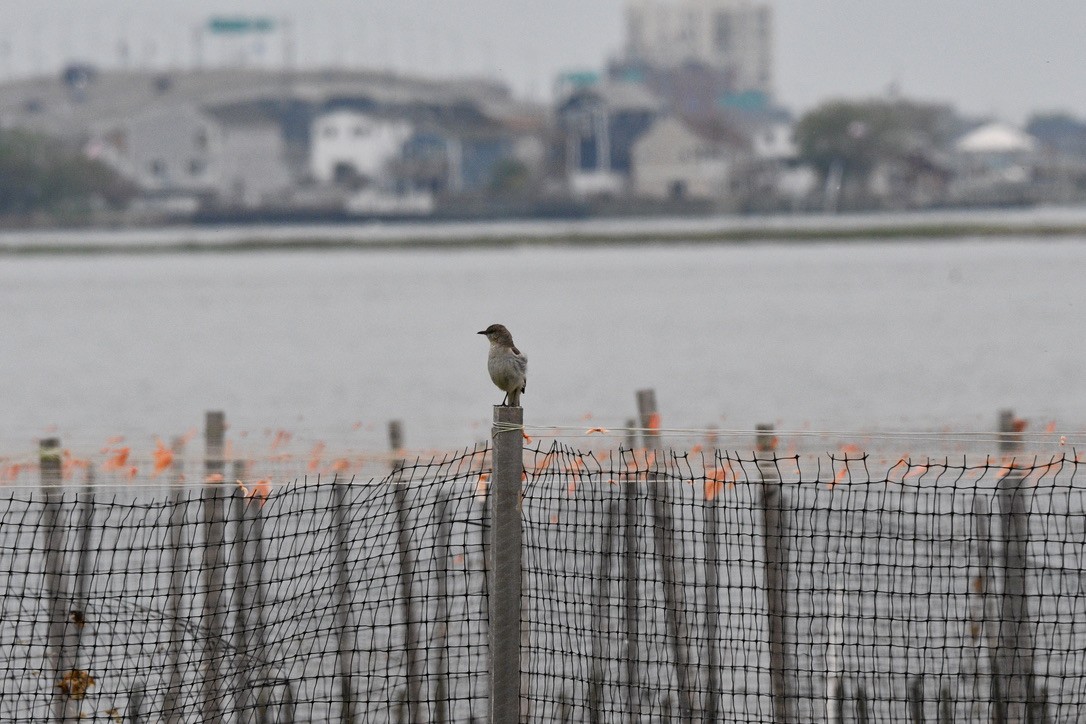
(507, 365)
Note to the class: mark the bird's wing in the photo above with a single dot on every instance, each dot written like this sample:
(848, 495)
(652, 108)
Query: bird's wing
(521, 363)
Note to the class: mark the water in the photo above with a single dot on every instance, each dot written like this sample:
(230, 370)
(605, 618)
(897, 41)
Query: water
(331, 345)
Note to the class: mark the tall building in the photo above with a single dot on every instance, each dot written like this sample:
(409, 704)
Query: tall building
(732, 39)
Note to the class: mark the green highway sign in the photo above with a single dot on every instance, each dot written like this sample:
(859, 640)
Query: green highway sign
(240, 25)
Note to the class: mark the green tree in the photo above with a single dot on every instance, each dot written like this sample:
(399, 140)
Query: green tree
(41, 174)
(854, 135)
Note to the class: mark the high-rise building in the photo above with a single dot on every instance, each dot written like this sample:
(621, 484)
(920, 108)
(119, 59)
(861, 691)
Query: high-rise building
(730, 38)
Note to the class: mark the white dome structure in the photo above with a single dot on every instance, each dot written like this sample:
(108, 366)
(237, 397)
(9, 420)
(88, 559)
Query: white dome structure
(996, 137)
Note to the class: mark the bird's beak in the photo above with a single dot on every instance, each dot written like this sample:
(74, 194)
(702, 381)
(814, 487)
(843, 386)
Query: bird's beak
(483, 332)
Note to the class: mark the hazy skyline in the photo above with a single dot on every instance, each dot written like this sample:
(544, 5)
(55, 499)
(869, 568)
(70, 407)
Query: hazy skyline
(988, 57)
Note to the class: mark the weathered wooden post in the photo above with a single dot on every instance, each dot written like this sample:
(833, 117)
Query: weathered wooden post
(441, 617)
(710, 537)
(344, 638)
(81, 595)
(915, 699)
(983, 629)
(214, 569)
(776, 562)
(835, 682)
(664, 538)
(179, 564)
(1015, 639)
(631, 578)
(600, 603)
(946, 705)
(248, 601)
(860, 698)
(62, 635)
(415, 673)
(506, 558)
(395, 444)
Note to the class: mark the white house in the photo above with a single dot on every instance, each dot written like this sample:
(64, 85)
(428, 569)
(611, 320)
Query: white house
(251, 164)
(170, 150)
(346, 145)
(184, 152)
(672, 161)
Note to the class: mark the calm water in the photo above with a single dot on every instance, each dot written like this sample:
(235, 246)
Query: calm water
(331, 345)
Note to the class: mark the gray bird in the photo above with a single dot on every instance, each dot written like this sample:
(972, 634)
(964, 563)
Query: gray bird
(507, 365)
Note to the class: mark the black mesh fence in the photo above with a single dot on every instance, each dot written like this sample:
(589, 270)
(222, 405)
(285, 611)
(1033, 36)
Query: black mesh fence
(658, 586)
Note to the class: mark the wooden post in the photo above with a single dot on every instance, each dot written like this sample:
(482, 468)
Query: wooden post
(710, 537)
(214, 569)
(248, 601)
(62, 635)
(631, 578)
(983, 629)
(253, 519)
(664, 539)
(860, 695)
(134, 713)
(915, 698)
(776, 563)
(179, 560)
(442, 714)
(345, 641)
(946, 705)
(179, 565)
(1015, 638)
(415, 674)
(81, 595)
(601, 602)
(506, 565)
(835, 683)
(395, 444)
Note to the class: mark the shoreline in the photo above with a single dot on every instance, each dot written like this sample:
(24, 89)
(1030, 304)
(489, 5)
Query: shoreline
(589, 233)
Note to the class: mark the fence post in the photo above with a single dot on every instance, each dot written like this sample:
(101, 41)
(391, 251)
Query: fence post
(1015, 641)
(344, 642)
(600, 601)
(776, 561)
(179, 563)
(415, 674)
(214, 573)
(395, 444)
(441, 617)
(248, 602)
(983, 631)
(630, 578)
(710, 537)
(59, 634)
(506, 564)
(914, 696)
(664, 538)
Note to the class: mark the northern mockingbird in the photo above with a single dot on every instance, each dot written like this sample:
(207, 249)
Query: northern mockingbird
(507, 365)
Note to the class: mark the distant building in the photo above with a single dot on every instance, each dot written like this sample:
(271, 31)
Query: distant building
(166, 150)
(600, 124)
(995, 166)
(731, 39)
(673, 161)
(353, 148)
(251, 159)
(195, 157)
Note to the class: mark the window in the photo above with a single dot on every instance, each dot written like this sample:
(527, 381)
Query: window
(157, 167)
(197, 166)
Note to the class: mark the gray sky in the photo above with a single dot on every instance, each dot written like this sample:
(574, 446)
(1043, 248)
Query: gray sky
(993, 57)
